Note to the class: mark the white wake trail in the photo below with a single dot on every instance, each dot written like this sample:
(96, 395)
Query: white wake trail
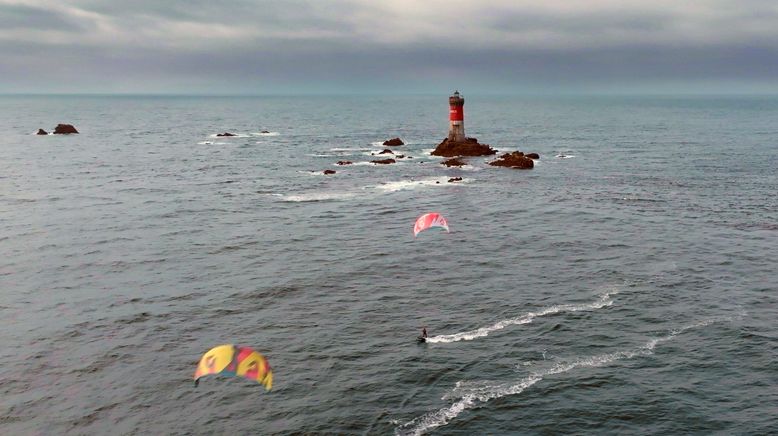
(603, 301)
(476, 396)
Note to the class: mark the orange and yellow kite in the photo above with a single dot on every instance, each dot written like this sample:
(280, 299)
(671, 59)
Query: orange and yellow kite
(235, 361)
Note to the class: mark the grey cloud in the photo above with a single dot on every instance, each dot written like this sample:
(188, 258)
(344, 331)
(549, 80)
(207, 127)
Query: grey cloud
(580, 23)
(350, 57)
(336, 62)
(26, 17)
(289, 14)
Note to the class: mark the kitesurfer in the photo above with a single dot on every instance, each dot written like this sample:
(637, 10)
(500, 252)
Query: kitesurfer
(424, 332)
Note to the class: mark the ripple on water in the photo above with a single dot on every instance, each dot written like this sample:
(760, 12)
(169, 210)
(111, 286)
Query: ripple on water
(133, 251)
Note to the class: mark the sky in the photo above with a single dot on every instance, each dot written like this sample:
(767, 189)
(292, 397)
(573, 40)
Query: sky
(243, 47)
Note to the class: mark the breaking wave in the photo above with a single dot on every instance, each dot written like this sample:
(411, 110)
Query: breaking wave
(347, 149)
(401, 185)
(317, 196)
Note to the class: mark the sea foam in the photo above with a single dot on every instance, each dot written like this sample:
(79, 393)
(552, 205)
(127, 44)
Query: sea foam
(401, 185)
(317, 196)
(472, 397)
(526, 318)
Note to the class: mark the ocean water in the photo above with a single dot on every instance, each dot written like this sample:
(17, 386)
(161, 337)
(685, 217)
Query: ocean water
(625, 285)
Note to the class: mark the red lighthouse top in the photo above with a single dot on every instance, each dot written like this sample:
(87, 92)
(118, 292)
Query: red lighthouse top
(456, 107)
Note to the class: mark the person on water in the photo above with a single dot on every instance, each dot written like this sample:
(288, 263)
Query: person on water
(424, 332)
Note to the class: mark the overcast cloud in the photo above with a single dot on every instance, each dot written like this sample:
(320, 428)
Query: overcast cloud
(298, 46)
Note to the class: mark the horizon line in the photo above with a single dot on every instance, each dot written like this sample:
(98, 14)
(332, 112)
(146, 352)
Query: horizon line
(406, 94)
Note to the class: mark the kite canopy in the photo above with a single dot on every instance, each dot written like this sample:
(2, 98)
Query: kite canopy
(428, 221)
(235, 361)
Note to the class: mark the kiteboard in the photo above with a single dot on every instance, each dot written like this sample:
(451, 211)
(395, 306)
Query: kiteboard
(421, 339)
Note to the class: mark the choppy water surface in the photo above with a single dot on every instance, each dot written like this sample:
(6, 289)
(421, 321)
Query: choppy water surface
(626, 288)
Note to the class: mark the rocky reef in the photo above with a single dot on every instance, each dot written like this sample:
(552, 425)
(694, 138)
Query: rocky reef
(394, 142)
(453, 162)
(64, 129)
(516, 159)
(469, 148)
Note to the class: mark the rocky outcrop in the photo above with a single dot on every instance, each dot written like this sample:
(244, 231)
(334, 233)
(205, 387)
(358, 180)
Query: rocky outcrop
(345, 162)
(329, 171)
(394, 142)
(514, 160)
(532, 155)
(64, 129)
(454, 162)
(383, 161)
(455, 179)
(386, 151)
(264, 131)
(225, 134)
(469, 148)
(42, 132)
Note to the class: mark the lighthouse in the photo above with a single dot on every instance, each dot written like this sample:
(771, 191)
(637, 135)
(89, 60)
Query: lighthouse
(456, 143)
(456, 117)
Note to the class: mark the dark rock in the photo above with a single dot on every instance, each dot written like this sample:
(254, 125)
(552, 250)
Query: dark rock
(455, 179)
(383, 161)
(470, 148)
(394, 141)
(454, 162)
(345, 162)
(42, 132)
(264, 131)
(532, 155)
(400, 156)
(64, 129)
(514, 160)
(329, 171)
(386, 151)
(225, 134)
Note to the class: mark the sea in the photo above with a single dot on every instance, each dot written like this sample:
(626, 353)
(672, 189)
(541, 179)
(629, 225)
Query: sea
(627, 284)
